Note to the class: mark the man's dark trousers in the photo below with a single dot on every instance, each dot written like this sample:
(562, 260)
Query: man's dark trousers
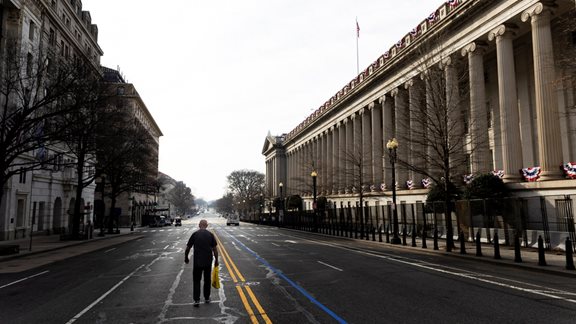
(197, 276)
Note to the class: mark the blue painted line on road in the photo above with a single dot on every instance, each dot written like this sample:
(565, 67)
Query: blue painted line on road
(292, 283)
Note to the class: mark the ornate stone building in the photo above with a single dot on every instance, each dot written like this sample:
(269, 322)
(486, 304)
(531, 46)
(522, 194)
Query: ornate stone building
(40, 30)
(502, 70)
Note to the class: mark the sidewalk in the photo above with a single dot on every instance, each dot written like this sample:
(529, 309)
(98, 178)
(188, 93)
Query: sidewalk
(555, 260)
(46, 243)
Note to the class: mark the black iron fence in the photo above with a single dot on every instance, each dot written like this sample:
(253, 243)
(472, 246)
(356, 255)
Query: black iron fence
(551, 217)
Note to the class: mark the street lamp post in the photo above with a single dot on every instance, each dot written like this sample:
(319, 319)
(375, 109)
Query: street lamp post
(314, 175)
(281, 211)
(392, 147)
(101, 181)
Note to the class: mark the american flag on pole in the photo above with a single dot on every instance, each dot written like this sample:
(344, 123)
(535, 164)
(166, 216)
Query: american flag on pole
(357, 29)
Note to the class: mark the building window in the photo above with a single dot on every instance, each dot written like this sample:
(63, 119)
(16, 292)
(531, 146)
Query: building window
(29, 64)
(52, 37)
(31, 30)
(21, 207)
(120, 91)
(22, 175)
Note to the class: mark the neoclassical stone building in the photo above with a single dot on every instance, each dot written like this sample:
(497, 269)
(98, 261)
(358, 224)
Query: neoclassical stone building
(506, 72)
(44, 30)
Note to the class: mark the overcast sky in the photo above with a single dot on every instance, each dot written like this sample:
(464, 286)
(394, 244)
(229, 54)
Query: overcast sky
(217, 75)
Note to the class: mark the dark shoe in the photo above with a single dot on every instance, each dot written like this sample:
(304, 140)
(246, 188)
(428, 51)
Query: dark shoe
(196, 303)
(207, 301)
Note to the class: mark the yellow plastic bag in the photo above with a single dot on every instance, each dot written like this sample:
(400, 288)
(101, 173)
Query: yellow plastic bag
(216, 278)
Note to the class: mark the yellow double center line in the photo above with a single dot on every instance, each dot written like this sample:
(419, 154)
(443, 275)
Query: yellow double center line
(239, 282)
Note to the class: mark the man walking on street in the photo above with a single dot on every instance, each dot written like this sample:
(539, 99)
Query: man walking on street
(204, 244)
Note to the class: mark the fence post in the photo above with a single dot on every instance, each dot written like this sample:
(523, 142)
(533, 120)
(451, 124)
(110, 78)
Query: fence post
(404, 235)
(496, 246)
(462, 242)
(517, 254)
(569, 260)
(541, 254)
(478, 245)
(388, 233)
(436, 239)
(424, 245)
(380, 233)
(413, 235)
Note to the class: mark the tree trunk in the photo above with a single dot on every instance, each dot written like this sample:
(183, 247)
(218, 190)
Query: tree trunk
(78, 202)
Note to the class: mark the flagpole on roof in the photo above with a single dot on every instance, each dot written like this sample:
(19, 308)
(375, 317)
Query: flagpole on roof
(357, 55)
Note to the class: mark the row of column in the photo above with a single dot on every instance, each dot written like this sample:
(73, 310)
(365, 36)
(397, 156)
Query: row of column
(352, 151)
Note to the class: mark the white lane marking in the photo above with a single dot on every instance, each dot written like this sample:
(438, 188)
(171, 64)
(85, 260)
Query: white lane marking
(290, 241)
(29, 277)
(166, 246)
(103, 296)
(275, 244)
(112, 249)
(330, 266)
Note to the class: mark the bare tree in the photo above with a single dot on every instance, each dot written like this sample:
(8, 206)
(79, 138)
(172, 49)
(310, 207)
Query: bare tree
(181, 197)
(35, 89)
(246, 186)
(438, 140)
(127, 155)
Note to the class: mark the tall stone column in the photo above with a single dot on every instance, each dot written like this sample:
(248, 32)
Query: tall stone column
(455, 126)
(508, 98)
(377, 145)
(549, 138)
(342, 156)
(329, 160)
(431, 156)
(478, 114)
(402, 125)
(356, 158)
(334, 156)
(349, 167)
(324, 162)
(321, 168)
(415, 157)
(388, 133)
(366, 156)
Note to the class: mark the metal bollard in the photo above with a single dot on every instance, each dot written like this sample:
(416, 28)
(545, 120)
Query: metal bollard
(404, 235)
(517, 253)
(380, 233)
(478, 245)
(424, 245)
(388, 233)
(496, 247)
(414, 235)
(436, 239)
(462, 243)
(569, 260)
(541, 254)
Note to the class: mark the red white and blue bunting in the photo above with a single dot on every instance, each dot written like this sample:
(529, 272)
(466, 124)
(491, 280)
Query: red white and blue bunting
(452, 3)
(531, 174)
(410, 184)
(400, 43)
(498, 173)
(426, 183)
(382, 186)
(432, 17)
(570, 169)
(468, 178)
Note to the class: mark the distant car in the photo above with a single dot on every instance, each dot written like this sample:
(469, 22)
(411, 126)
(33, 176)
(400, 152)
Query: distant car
(178, 221)
(158, 221)
(232, 220)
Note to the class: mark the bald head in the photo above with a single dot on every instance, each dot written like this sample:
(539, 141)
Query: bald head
(203, 223)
